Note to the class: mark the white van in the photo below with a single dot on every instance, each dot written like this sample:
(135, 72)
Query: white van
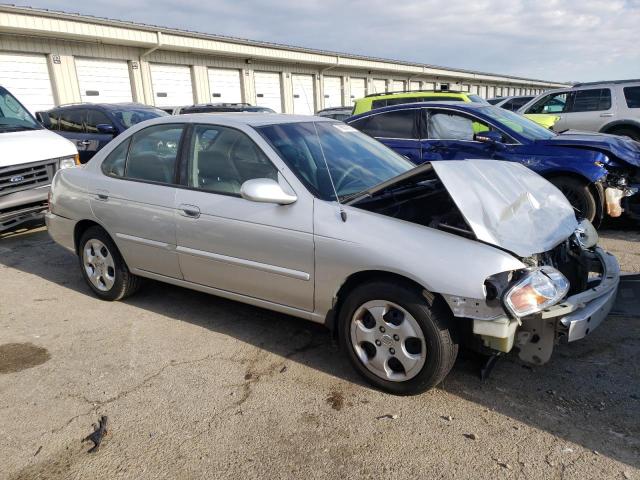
(29, 157)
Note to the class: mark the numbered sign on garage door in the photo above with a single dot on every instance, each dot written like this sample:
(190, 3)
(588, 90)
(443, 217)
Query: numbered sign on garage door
(27, 78)
(171, 85)
(104, 81)
(378, 85)
(332, 91)
(358, 89)
(303, 99)
(268, 90)
(224, 85)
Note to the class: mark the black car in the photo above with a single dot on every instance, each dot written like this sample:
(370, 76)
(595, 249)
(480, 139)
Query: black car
(337, 113)
(90, 126)
(221, 108)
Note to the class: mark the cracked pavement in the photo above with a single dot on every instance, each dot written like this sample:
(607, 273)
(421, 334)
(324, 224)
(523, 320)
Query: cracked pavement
(200, 387)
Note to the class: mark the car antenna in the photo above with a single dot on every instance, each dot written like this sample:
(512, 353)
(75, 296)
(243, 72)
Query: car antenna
(343, 214)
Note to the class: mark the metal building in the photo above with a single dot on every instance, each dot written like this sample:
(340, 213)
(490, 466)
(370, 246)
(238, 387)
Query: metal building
(49, 58)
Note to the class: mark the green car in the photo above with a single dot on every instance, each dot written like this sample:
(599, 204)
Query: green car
(378, 100)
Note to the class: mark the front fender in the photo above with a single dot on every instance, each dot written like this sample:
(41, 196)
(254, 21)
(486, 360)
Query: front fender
(587, 164)
(438, 261)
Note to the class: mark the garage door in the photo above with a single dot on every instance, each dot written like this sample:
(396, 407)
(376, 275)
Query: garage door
(379, 85)
(414, 86)
(358, 89)
(332, 87)
(268, 90)
(104, 81)
(224, 85)
(171, 85)
(27, 78)
(303, 103)
(398, 86)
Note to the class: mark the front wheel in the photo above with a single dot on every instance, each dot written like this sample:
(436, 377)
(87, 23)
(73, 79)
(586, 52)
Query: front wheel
(395, 339)
(579, 195)
(103, 267)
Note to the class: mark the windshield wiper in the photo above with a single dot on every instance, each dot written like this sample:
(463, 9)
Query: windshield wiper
(16, 127)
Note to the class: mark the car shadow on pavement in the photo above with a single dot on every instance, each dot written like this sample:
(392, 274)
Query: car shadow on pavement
(589, 393)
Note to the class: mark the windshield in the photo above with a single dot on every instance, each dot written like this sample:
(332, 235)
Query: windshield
(13, 116)
(128, 118)
(517, 123)
(356, 161)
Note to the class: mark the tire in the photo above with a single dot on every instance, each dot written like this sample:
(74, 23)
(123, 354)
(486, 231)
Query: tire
(405, 327)
(579, 195)
(632, 133)
(103, 268)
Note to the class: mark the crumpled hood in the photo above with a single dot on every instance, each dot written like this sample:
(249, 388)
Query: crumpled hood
(625, 149)
(508, 205)
(33, 146)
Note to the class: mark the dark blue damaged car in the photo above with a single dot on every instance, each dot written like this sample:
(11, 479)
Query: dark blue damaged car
(598, 173)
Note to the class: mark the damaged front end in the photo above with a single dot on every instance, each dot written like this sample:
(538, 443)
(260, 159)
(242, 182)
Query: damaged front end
(586, 280)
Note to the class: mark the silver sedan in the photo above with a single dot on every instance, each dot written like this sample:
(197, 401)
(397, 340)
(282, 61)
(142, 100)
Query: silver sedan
(308, 217)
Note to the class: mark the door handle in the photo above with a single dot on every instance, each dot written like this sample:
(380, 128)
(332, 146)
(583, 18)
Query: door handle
(84, 142)
(606, 114)
(190, 211)
(102, 195)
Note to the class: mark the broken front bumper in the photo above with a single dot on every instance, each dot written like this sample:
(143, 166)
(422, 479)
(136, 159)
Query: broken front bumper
(572, 319)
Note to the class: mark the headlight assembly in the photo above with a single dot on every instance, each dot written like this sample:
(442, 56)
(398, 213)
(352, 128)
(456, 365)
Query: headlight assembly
(68, 162)
(540, 288)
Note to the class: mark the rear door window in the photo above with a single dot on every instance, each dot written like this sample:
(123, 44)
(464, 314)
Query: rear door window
(154, 153)
(591, 100)
(632, 96)
(72, 121)
(396, 124)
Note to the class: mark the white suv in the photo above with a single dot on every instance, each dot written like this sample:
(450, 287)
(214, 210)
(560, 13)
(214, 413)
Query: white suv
(605, 107)
(29, 157)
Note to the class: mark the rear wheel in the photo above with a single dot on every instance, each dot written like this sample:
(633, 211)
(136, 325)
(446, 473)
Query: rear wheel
(103, 268)
(579, 195)
(395, 339)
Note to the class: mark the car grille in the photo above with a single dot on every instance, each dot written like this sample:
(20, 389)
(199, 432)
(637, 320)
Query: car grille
(24, 177)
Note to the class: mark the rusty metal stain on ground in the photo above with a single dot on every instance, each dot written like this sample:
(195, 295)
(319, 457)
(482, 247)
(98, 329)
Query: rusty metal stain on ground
(627, 303)
(15, 357)
(336, 400)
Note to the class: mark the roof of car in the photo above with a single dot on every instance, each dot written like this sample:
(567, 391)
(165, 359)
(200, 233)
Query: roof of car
(108, 106)
(401, 106)
(242, 118)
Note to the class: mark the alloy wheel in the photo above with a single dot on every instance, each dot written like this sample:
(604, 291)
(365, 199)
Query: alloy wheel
(99, 265)
(388, 340)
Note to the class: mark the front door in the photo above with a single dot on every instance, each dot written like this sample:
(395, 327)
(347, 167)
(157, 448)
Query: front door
(96, 139)
(135, 198)
(450, 135)
(260, 250)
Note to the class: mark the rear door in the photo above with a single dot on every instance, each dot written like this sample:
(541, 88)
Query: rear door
(259, 250)
(589, 110)
(135, 198)
(398, 130)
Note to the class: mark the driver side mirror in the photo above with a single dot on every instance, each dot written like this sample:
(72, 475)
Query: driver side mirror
(265, 190)
(488, 137)
(106, 128)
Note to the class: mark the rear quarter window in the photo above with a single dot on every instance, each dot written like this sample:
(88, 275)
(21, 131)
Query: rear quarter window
(632, 96)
